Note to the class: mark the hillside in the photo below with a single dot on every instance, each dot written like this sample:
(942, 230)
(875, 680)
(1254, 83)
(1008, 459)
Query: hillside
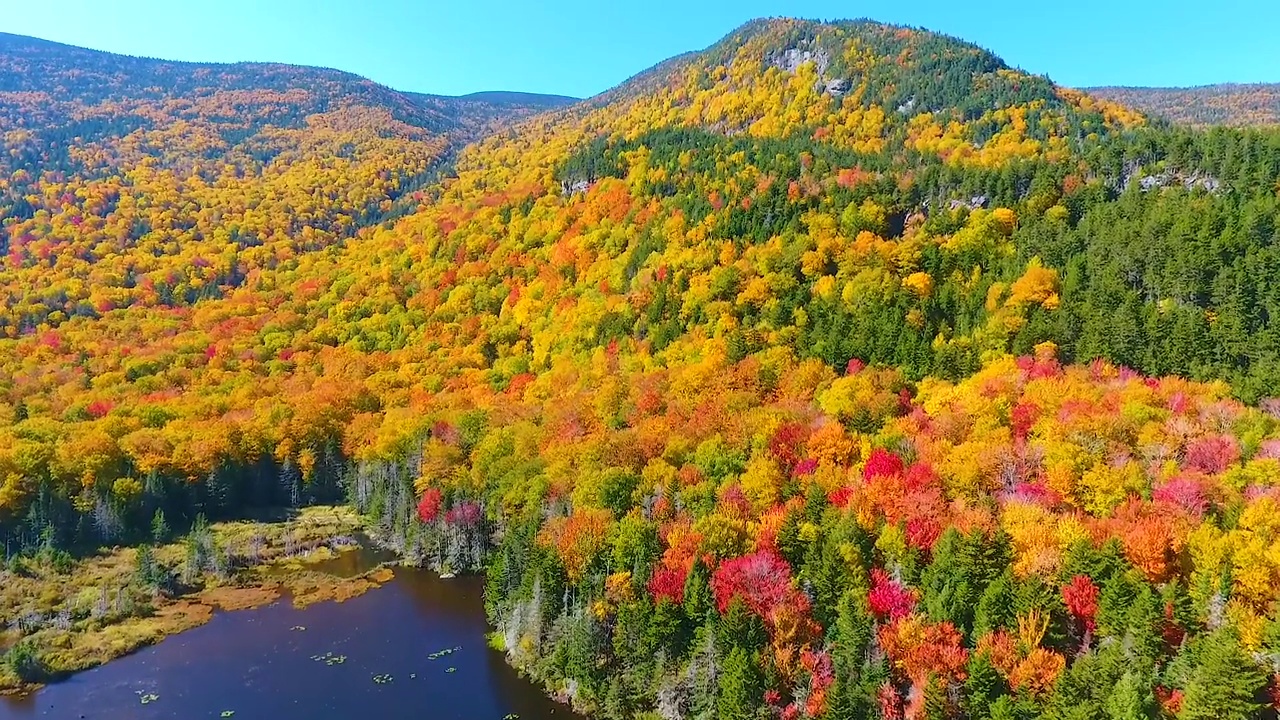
(838, 370)
(154, 182)
(1228, 104)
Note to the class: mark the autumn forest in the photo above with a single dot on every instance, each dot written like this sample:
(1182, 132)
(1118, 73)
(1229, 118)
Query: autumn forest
(837, 371)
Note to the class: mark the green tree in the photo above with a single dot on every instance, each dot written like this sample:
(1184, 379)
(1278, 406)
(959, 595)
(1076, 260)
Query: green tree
(963, 567)
(982, 687)
(25, 662)
(1131, 699)
(1225, 683)
(996, 606)
(159, 527)
(145, 566)
(741, 687)
(852, 694)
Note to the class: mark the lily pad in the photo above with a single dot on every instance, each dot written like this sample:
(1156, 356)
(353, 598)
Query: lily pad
(442, 653)
(330, 659)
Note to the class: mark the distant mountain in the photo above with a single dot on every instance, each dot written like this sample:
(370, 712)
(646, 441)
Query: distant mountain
(61, 90)
(520, 99)
(280, 158)
(481, 113)
(1228, 104)
(63, 76)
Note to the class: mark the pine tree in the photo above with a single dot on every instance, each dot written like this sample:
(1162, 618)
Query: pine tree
(146, 566)
(704, 673)
(740, 627)
(741, 687)
(982, 687)
(1225, 682)
(159, 527)
(698, 604)
(996, 606)
(1131, 699)
(936, 705)
(831, 575)
(291, 483)
(850, 637)
(201, 551)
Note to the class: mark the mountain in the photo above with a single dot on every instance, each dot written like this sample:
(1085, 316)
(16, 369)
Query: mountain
(521, 99)
(63, 74)
(1230, 104)
(269, 160)
(480, 114)
(837, 370)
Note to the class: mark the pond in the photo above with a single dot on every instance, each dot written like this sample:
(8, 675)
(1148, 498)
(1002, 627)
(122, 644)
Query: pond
(368, 657)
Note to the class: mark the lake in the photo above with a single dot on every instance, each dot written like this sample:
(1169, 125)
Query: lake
(368, 657)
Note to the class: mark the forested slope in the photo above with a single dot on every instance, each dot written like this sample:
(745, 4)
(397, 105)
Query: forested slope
(839, 370)
(130, 181)
(1230, 104)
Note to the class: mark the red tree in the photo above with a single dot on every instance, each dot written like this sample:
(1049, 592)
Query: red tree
(882, 463)
(761, 580)
(888, 598)
(429, 506)
(668, 583)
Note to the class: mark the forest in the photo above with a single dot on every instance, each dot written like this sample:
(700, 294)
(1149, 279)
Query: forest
(1233, 104)
(837, 371)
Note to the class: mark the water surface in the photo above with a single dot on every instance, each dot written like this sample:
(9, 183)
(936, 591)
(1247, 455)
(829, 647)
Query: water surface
(261, 663)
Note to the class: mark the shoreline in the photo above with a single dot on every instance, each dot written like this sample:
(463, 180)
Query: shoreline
(121, 619)
(308, 577)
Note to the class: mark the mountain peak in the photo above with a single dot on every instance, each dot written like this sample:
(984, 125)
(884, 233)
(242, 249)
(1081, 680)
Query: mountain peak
(867, 86)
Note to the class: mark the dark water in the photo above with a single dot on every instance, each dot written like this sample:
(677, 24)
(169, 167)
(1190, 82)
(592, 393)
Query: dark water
(254, 663)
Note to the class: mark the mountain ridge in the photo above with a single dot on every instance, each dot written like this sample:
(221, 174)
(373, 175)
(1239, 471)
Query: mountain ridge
(1173, 102)
(839, 371)
(1231, 104)
(11, 42)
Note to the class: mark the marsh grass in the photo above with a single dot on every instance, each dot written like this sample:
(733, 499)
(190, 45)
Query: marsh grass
(67, 619)
(309, 588)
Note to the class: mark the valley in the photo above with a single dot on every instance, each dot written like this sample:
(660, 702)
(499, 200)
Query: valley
(838, 370)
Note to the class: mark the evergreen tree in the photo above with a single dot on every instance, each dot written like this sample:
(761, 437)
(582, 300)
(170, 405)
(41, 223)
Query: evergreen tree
(291, 483)
(704, 673)
(741, 689)
(739, 627)
(1226, 682)
(982, 687)
(146, 566)
(963, 567)
(1131, 699)
(850, 638)
(996, 606)
(830, 574)
(698, 603)
(159, 527)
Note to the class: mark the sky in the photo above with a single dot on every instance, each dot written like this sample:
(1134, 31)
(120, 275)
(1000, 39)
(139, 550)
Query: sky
(579, 48)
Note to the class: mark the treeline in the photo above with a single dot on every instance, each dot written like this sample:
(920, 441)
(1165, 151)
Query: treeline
(126, 515)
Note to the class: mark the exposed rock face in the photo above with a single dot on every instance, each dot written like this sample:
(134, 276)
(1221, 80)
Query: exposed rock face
(1194, 181)
(575, 187)
(973, 203)
(838, 86)
(791, 59)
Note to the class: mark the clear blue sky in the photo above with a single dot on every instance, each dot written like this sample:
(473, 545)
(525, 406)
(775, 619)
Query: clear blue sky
(580, 48)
